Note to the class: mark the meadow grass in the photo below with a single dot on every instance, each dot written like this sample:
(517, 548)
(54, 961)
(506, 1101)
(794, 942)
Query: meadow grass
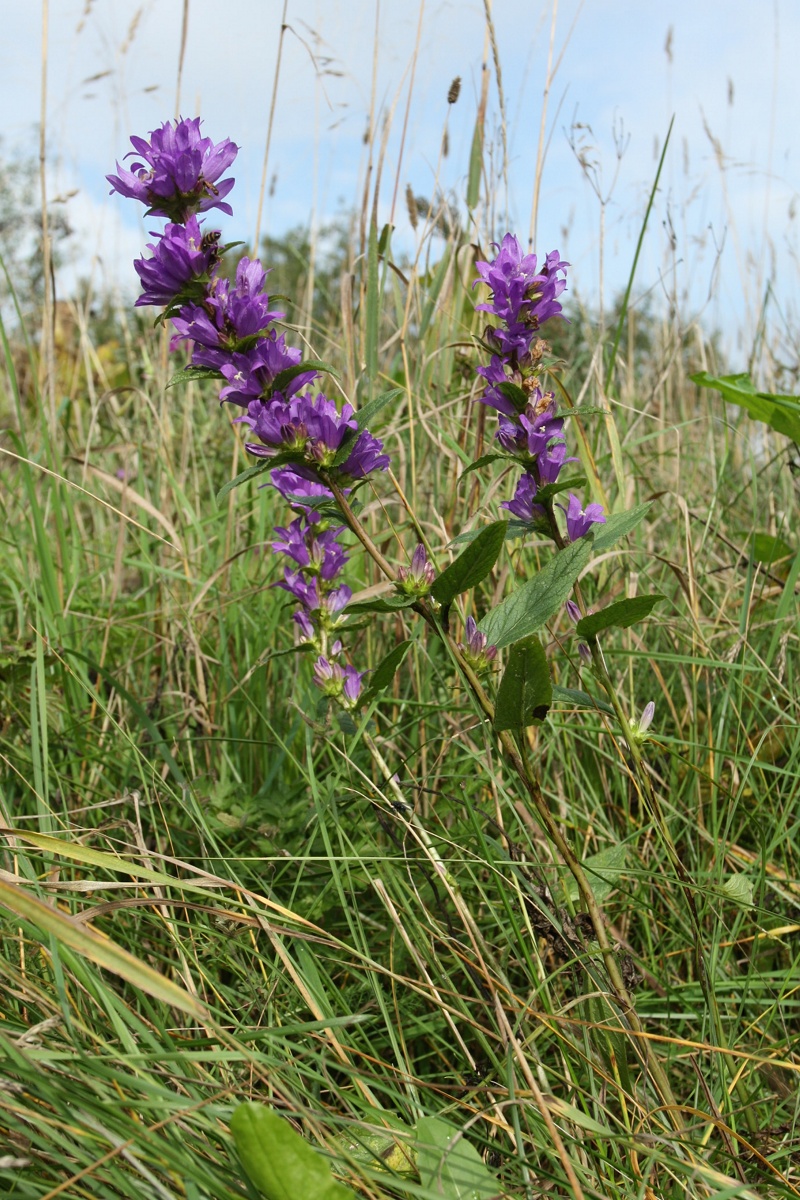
(214, 892)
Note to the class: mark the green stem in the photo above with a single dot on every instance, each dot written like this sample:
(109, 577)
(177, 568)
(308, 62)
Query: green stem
(516, 757)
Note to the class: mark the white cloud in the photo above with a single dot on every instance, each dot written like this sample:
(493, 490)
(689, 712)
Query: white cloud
(615, 68)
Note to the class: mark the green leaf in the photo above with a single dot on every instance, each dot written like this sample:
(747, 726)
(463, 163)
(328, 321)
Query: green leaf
(472, 565)
(518, 529)
(483, 461)
(619, 615)
(583, 699)
(366, 415)
(385, 671)
(434, 288)
(98, 948)
(250, 473)
(740, 889)
(278, 1161)
(371, 332)
(382, 604)
(283, 377)
(525, 693)
(768, 549)
(190, 373)
(518, 397)
(449, 1166)
(564, 485)
(531, 605)
(389, 1149)
(475, 164)
(781, 413)
(618, 526)
(603, 870)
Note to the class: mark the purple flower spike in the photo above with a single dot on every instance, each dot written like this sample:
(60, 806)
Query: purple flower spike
(313, 429)
(523, 504)
(177, 173)
(321, 604)
(579, 520)
(522, 296)
(528, 434)
(183, 255)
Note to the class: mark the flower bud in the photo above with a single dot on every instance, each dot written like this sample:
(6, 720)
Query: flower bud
(479, 656)
(638, 729)
(416, 579)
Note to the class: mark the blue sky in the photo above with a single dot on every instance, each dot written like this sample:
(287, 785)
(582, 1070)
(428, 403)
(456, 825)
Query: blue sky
(724, 220)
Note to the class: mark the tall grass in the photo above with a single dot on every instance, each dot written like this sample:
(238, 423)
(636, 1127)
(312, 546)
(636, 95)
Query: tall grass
(213, 893)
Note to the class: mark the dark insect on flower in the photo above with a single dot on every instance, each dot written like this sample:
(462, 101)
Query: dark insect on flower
(210, 239)
(454, 91)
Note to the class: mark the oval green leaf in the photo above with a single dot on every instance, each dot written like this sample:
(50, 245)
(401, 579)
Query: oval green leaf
(449, 1166)
(472, 565)
(619, 615)
(526, 691)
(278, 1161)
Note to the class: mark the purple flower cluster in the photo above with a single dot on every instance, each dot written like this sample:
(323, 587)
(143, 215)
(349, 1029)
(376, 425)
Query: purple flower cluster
(178, 174)
(341, 682)
(179, 171)
(524, 296)
(313, 430)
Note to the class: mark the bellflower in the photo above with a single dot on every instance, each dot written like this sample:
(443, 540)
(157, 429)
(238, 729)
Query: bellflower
(250, 374)
(528, 435)
(316, 551)
(523, 297)
(638, 729)
(365, 457)
(314, 429)
(182, 260)
(342, 683)
(551, 461)
(296, 488)
(523, 504)
(228, 316)
(177, 173)
(579, 520)
(318, 603)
